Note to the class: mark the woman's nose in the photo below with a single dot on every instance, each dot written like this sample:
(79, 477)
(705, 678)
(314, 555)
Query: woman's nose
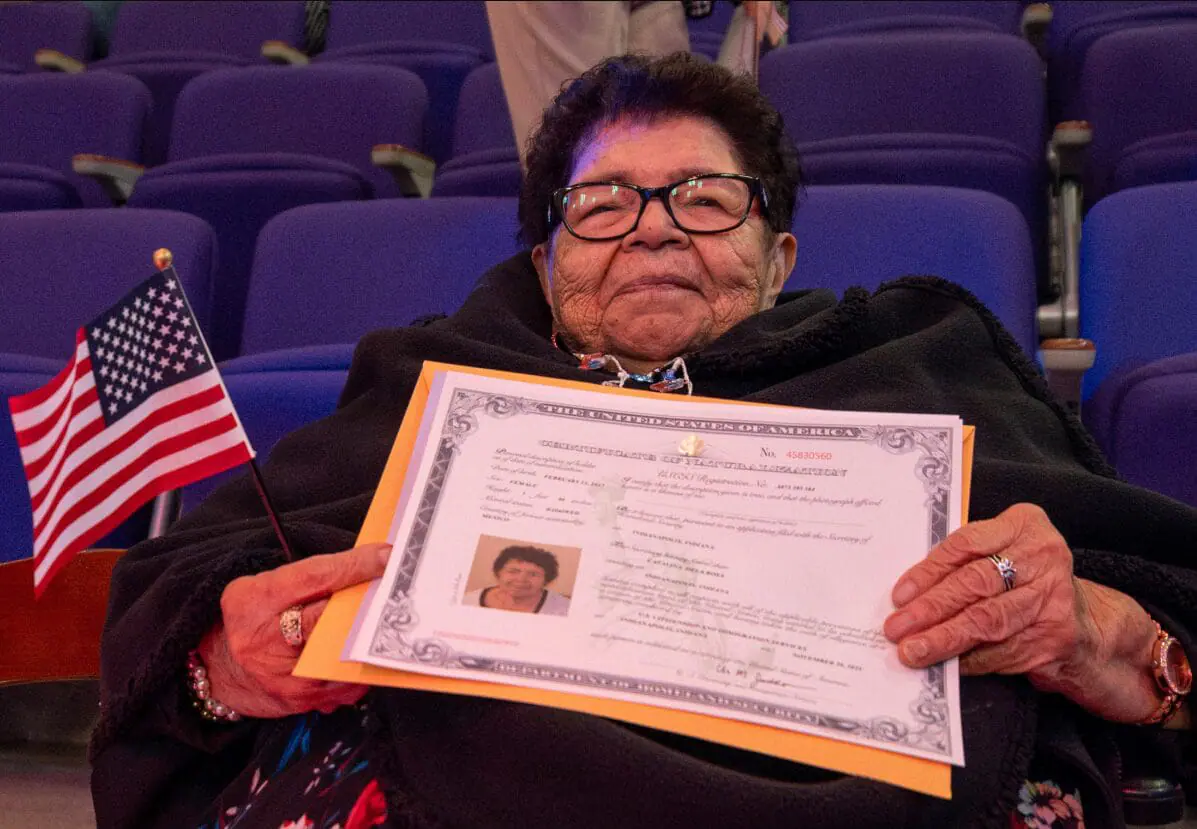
(656, 228)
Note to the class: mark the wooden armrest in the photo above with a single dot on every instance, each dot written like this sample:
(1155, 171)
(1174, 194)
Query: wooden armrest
(115, 175)
(1065, 361)
(1036, 20)
(1068, 354)
(412, 171)
(56, 61)
(278, 51)
(58, 635)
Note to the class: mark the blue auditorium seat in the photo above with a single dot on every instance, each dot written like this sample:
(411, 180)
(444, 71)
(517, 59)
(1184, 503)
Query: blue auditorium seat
(1150, 72)
(867, 235)
(484, 161)
(957, 109)
(441, 42)
(392, 261)
(832, 18)
(251, 143)
(61, 269)
(46, 119)
(28, 27)
(1138, 305)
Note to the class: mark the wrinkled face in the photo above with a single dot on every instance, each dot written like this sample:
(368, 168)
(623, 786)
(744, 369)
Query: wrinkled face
(659, 292)
(521, 579)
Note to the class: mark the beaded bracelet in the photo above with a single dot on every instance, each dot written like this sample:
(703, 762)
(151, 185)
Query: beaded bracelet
(201, 693)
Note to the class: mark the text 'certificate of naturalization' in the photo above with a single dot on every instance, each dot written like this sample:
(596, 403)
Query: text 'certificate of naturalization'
(723, 559)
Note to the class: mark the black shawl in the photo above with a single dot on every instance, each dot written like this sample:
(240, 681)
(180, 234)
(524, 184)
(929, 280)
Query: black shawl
(915, 345)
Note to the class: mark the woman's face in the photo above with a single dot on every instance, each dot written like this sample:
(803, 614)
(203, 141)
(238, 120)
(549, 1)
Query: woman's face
(521, 579)
(659, 292)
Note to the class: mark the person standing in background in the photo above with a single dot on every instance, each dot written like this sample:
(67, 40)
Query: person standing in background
(539, 45)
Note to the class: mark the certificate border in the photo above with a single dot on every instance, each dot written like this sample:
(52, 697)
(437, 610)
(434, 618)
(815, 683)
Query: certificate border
(927, 727)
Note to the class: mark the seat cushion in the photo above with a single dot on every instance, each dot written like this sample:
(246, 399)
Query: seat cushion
(1143, 417)
(28, 187)
(1156, 160)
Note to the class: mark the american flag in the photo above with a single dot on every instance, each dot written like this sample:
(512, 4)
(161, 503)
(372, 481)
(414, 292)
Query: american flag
(139, 410)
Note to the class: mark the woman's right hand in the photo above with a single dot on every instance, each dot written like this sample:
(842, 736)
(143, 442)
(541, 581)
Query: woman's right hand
(249, 662)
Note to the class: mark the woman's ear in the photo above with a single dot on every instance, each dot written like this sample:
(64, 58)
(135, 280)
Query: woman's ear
(779, 267)
(541, 261)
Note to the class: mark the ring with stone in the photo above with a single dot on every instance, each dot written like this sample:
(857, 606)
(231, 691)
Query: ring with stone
(290, 622)
(1006, 570)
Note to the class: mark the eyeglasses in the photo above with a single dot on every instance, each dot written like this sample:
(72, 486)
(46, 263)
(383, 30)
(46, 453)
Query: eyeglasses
(712, 203)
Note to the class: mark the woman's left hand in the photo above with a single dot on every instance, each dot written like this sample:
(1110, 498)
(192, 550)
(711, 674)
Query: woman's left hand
(1068, 635)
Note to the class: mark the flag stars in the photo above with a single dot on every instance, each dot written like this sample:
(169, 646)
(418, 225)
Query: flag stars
(193, 340)
(178, 302)
(111, 322)
(137, 303)
(172, 317)
(156, 343)
(158, 311)
(171, 284)
(187, 352)
(200, 359)
(180, 367)
(156, 376)
(164, 330)
(125, 312)
(152, 293)
(172, 349)
(179, 335)
(96, 332)
(185, 322)
(111, 408)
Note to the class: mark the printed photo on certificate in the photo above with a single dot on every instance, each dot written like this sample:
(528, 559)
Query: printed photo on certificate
(724, 559)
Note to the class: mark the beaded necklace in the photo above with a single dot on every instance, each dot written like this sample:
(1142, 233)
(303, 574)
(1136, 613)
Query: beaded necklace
(665, 379)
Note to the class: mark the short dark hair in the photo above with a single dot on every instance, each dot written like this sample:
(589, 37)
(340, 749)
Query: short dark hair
(533, 555)
(642, 87)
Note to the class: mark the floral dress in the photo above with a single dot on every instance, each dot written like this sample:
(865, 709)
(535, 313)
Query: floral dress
(316, 778)
(319, 778)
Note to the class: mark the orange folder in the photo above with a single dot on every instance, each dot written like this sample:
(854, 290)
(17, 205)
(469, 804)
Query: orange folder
(321, 657)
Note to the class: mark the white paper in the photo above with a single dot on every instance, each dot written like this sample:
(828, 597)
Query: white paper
(748, 581)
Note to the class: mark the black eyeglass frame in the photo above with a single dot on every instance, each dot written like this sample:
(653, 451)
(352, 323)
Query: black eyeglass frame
(756, 190)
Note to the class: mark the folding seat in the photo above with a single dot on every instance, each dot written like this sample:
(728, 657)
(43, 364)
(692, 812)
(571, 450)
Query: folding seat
(441, 42)
(46, 119)
(485, 161)
(64, 28)
(251, 143)
(1137, 93)
(957, 109)
(275, 394)
(324, 275)
(333, 272)
(1076, 25)
(835, 18)
(166, 43)
(60, 270)
(1138, 306)
(707, 33)
(1138, 297)
(864, 235)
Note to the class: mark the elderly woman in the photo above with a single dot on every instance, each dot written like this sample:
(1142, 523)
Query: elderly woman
(657, 206)
(522, 575)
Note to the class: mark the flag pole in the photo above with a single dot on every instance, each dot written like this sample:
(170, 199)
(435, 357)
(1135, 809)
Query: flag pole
(166, 504)
(275, 520)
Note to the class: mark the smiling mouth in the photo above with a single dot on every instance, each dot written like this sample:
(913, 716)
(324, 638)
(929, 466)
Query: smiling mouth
(657, 283)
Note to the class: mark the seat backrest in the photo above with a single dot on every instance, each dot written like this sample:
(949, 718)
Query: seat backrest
(377, 21)
(330, 273)
(1139, 277)
(231, 27)
(27, 27)
(1078, 24)
(47, 118)
(62, 268)
(1150, 72)
(483, 121)
(830, 17)
(332, 110)
(275, 394)
(865, 235)
(966, 83)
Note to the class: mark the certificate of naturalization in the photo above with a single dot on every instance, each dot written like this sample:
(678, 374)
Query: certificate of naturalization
(722, 559)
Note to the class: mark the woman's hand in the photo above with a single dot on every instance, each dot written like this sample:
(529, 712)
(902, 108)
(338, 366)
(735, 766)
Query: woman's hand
(1068, 635)
(249, 663)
